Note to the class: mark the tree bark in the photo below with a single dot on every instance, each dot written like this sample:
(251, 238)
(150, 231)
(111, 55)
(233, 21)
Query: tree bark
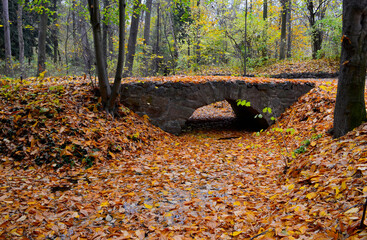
(86, 51)
(54, 32)
(197, 50)
(131, 45)
(316, 32)
(95, 18)
(147, 37)
(20, 37)
(289, 29)
(265, 9)
(120, 61)
(42, 33)
(7, 41)
(283, 30)
(156, 49)
(350, 109)
(245, 45)
(105, 30)
(175, 47)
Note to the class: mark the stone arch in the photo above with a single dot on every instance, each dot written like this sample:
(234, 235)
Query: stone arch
(244, 117)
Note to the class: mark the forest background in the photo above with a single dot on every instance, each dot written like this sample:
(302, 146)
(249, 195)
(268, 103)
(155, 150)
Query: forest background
(55, 37)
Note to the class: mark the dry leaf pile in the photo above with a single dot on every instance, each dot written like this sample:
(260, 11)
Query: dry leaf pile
(146, 184)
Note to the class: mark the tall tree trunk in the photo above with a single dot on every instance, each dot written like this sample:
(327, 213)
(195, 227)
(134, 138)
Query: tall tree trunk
(120, 60)
(147, 37)
(265, 9)
(42, 33)
(87, 52)
(105, 30)
(289, 29)
(197, 50)
(283, 30)
(156, 50)
(175, 47)
(245, 45)
(20, 37)
(54, 32)
(350, 109)
(7, 42)
(131, 45)
(316, 33)
(95, 18)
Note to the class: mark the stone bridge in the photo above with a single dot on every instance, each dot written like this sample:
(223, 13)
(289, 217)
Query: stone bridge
(169, 102)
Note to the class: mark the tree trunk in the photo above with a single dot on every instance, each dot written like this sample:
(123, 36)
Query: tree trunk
(245, 45)
(54, 32)
(147, 37)
(86, 51)
(20, 38)
(197, 50)
(265, 9)
(156, 49)
(42, 33)
(175, 47)
(105, 30)
(120, 61)
(350, 109)
(283, 30)
(316, 33)
(7, 42)
(289, 29)
(131, 45)
(95, 18)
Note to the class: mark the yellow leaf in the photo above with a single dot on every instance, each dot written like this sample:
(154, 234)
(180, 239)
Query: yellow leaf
(148, 206)
(165, 192)
(169, 214)
(290, 187)
(131, 194)
(236, 233)
(105, 204)
(352, 210)
(311, 195)
(365, 189)
(343, 186)
(237, 203)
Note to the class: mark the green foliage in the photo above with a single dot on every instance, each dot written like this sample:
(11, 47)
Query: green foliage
(243, 103)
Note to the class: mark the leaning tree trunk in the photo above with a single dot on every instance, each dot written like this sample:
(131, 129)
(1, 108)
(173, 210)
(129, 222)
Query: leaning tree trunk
(20, 38)
(7, 36)
(350, 109)
(42, 33)
(120, 60)
(131, 46)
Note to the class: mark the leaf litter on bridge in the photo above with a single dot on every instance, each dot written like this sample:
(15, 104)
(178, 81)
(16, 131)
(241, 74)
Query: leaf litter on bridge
(146, 184)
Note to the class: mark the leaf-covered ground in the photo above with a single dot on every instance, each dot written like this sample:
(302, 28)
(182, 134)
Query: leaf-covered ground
(70, 172)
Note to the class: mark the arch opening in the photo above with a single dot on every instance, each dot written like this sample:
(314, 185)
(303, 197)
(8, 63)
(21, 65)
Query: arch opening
(225, 115)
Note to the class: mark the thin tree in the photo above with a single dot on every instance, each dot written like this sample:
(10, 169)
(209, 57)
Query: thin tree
(146, 40)
(42, 33)
(283, 29)
(7, 36)
(20, 37)
(131, 45)
(350, 108)
(109, 96)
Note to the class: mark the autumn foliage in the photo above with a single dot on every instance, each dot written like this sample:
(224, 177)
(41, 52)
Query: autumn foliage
(71, 172)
